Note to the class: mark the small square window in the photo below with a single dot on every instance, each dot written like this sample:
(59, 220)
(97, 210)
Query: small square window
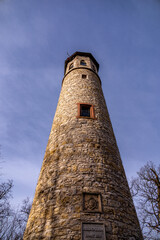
(85, 111)
(84, 76)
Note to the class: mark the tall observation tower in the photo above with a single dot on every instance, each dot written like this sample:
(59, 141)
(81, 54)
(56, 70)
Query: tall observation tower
(82, 192)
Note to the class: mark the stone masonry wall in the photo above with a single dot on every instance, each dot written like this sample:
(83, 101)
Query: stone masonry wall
(82, 179)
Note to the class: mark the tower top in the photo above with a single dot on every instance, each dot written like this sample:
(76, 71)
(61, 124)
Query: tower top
(85, 54)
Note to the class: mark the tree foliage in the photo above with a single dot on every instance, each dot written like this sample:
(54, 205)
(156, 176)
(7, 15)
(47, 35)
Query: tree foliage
(145, 190)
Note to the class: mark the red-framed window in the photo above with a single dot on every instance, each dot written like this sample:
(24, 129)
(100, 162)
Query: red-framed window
(85, 110)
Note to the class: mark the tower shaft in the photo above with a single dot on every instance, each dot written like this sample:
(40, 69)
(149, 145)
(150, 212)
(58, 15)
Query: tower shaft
(82, 191)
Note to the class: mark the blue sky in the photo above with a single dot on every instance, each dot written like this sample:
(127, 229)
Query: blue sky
(35, 36)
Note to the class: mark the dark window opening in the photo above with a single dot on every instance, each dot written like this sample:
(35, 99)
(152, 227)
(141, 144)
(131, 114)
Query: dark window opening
(85, 110)
(93, 67)
(71, 66)
(84, 76)
(83, 63)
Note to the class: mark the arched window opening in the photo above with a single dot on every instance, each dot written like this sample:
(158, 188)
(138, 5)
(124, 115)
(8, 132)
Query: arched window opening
(71, 66)
(93, 67)
(82, 62)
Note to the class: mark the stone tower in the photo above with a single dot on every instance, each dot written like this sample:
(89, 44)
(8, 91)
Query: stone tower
(82, 192)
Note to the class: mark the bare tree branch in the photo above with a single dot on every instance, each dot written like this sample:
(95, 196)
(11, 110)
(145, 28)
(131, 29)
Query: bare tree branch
(145, 190)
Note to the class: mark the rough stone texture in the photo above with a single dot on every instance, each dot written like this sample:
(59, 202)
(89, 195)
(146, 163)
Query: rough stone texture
(81, 157)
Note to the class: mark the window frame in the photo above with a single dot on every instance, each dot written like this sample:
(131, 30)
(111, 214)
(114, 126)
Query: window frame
(92, 113)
